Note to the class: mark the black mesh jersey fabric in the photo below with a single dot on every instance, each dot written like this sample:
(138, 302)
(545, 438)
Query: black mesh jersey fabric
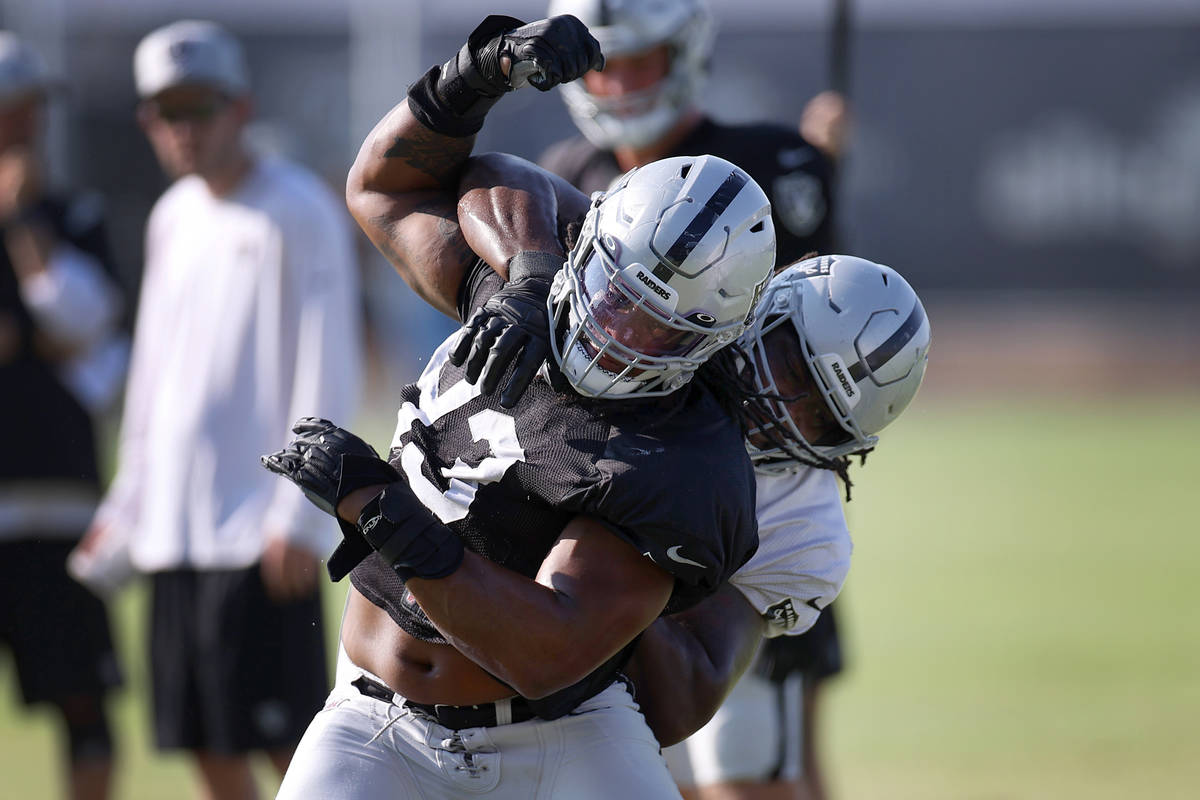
(672, 478)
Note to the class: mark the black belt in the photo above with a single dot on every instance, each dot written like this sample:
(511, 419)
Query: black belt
(485, 715)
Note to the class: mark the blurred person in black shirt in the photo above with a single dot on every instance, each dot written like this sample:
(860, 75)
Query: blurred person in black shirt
(61, 361)
(644, 106)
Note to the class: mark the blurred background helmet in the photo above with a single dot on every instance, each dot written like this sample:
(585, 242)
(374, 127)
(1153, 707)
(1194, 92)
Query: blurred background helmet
(865, 339)
(627, 27)
(667, 269)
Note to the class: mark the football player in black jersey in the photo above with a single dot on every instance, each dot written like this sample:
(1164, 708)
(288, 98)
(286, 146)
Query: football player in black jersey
(505, 560)
(644, 106)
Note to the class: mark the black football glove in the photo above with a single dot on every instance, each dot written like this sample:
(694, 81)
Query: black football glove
(454, 98)
(512, 327)
(559, 50)
(328, 463)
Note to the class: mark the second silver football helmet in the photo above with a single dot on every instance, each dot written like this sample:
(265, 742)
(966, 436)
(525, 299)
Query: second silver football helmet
(864, 337)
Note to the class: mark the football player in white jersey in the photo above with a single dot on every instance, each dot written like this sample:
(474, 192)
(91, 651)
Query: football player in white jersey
(839, 348)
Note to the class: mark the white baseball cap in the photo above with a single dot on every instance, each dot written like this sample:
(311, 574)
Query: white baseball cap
(22, 70)
(190, 53)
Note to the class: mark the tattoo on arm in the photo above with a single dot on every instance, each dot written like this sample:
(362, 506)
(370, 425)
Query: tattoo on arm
(446, 248)
(453, 246)
(386, 244)
(436, 155)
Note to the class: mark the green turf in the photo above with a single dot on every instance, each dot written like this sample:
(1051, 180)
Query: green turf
(29, 767)
(1021, 614)
(1021, 619)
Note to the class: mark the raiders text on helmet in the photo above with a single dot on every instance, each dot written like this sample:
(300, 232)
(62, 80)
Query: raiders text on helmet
(625, 27)
(865, 338)
(667, 269)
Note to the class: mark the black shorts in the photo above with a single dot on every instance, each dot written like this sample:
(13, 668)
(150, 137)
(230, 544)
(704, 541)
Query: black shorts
(232, 670)
(817, 653)
(57, 630)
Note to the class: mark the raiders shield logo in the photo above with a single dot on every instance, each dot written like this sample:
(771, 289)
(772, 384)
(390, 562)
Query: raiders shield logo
(797, 202)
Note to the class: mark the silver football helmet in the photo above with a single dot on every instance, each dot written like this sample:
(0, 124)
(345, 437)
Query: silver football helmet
(625, 27)
(865, 340)
(667, 269)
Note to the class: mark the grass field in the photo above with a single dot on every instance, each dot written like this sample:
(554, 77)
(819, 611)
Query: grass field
(1021, 617)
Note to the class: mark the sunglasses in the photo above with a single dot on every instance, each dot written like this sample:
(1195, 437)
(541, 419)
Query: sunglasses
(186, 112)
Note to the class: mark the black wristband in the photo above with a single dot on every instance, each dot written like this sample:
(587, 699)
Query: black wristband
(453, 99)
(436, 115)
(533, 264)
(357, 472)
(414, 542)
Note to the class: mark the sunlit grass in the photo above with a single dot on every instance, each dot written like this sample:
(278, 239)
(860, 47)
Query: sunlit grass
(1020, 611)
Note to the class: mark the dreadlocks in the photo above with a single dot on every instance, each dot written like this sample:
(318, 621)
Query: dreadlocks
(727, 377)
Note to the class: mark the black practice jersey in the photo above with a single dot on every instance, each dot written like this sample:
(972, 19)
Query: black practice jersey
(795, 175)
(49, 428)
(669, 475)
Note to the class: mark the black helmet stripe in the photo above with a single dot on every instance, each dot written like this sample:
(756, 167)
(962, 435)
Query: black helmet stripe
(705, 218)
(894, 344)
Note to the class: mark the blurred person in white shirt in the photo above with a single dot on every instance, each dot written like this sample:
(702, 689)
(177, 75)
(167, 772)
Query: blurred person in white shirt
(248, 319)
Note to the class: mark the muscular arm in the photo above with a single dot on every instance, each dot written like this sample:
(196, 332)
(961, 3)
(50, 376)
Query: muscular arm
(685, 664)
(430, 208)
(403, 185)
(508, 205)
(592, 595)
(402, 190)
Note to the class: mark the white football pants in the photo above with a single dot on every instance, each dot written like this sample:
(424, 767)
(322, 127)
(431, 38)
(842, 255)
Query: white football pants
(754, 736)
(360, 748)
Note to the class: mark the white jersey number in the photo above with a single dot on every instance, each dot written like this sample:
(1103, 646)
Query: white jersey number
(499, 430)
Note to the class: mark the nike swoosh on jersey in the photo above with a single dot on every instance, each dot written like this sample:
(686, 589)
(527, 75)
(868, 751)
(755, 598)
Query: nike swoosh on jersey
(673, 554)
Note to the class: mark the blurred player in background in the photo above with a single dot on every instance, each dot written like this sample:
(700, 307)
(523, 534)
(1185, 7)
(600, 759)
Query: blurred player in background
(248, 319)
(645, 105)
(825, 124)
(59, 312)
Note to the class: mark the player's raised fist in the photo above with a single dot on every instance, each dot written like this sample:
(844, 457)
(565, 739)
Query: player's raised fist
(501, 54)
(549, 52)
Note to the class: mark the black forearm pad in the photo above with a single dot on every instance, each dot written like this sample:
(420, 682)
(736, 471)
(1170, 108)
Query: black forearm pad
(453, 99)
(533, 264)
(409, 536)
